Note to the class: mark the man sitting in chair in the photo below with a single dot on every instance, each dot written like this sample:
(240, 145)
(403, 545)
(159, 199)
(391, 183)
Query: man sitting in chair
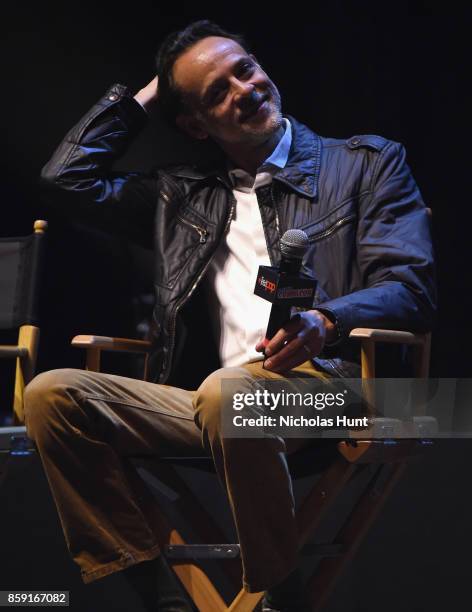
(363, 213)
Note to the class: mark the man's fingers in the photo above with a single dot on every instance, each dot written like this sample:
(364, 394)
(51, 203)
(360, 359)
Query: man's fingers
(260, 346)
(292, 346)
(284, 335)
(291, 349)
(302, 347)
(288, 362)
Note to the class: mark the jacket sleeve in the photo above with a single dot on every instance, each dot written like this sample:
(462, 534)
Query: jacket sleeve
(79, 180)
(394, 255)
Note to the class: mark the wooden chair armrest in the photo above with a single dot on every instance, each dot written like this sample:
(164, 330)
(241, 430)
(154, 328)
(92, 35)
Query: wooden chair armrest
(107, 343)
(369, 336)
(95, 344)
(387, 335)
(12, 351)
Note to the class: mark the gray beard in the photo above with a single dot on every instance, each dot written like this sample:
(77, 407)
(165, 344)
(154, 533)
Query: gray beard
(257, 135)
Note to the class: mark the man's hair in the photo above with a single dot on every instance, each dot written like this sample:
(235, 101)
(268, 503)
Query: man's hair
(170, 99)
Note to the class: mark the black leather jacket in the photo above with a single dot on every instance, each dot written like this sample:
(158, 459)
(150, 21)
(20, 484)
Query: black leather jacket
(369, 231)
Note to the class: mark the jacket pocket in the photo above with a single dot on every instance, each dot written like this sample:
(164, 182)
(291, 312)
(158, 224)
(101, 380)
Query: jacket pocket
(331, 223)
(178, 251)
(201, 231)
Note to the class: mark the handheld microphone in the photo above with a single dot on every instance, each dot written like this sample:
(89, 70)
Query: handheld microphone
(285, 286)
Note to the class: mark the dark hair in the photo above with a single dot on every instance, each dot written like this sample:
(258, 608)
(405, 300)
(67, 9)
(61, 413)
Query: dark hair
(170, 100)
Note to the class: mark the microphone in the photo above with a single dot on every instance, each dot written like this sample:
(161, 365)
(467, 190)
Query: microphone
(293, 246)
(285, 286)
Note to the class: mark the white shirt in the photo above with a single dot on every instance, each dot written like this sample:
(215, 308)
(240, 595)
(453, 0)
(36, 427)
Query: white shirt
(240, 317)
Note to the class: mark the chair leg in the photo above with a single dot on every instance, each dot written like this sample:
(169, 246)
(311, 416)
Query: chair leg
(200, 520)
(322, 496)
(421, 357)
(313, 509)
(195, 581)
(351, 536)
(93, 360)
(28, 338)
(245, 602)
(198, 585)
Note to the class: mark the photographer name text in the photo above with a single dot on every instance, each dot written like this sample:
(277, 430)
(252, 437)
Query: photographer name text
(341, 421)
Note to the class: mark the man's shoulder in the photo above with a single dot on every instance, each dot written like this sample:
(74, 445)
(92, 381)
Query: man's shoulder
(371, 142)
(362, 143)
(182, 173)
(204, 168)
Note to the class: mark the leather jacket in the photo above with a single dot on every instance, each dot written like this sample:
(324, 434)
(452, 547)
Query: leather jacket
(370, 242)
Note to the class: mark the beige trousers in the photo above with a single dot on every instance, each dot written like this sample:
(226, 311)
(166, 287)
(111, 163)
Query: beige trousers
(86, 425)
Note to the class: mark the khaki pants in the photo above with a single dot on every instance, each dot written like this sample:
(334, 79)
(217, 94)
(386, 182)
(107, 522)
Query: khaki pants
(86, 424)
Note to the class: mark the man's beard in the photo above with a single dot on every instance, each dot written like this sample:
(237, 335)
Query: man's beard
(259, 133)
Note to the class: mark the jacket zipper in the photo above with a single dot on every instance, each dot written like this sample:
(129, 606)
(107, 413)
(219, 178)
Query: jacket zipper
(201, 231)
(165, 196)
(189, 293)
(276, 208)
(339, 223)
(277, 224)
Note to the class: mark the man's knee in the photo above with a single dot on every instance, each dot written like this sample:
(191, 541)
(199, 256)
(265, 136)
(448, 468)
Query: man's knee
(49, 395)
(208, 400)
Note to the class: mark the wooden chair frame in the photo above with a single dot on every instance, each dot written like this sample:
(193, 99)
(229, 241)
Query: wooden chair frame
(25, 352)
(353, 456)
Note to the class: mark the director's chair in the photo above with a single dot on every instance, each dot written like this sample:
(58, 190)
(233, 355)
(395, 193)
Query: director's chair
(376, 463)
(20, 268)
(20, 271)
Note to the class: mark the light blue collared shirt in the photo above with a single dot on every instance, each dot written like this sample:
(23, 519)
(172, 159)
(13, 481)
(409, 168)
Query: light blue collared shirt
(276, 160)
(279, 155)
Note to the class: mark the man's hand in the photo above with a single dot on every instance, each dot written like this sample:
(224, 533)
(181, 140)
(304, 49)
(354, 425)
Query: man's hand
(147, 96)
(302, 338)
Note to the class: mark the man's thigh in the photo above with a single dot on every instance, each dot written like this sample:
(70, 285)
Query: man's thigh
(134, 416)
(305, 370)
(209, 400)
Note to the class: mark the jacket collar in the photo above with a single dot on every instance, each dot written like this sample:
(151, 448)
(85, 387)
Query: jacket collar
(301, 171)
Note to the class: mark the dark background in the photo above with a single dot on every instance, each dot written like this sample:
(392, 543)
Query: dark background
(400, 71)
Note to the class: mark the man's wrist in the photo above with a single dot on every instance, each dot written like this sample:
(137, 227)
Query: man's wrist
(331, 327)
(147, 96)
(144, 100)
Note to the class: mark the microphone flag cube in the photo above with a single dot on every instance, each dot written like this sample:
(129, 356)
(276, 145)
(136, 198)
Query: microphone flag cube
(284, 289)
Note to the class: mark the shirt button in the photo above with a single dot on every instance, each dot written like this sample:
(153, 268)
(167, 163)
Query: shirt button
(355, 141)
(112, 97)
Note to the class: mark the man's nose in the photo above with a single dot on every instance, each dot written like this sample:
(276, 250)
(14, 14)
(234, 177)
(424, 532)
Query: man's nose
(244, 91)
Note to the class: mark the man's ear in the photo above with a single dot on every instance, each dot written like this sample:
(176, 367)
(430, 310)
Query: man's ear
(191, 126)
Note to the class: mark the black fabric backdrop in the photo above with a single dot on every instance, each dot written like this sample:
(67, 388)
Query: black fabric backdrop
(401, 71)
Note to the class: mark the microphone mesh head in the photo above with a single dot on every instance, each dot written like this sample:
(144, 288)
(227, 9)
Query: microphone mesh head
(294, 244)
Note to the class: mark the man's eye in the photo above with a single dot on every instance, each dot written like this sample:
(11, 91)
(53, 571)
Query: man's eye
(247, 68)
